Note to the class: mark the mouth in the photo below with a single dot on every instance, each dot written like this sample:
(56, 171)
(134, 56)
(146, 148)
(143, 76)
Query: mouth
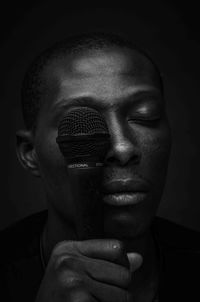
(124, 192)
(124, 198)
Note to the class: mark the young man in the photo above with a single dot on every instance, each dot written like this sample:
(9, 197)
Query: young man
(139, 257)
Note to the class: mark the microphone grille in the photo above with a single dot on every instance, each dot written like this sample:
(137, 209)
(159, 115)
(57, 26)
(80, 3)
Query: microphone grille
(82, 121)
(83, 135)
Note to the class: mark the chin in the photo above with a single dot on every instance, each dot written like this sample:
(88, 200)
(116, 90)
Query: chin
(127, 225)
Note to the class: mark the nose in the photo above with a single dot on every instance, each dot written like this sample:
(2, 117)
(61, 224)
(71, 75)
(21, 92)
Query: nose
(124, 147)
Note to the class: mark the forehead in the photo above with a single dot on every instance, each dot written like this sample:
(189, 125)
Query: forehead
(107, 74)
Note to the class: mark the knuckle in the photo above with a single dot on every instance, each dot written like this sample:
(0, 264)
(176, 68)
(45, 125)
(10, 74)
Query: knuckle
(73, 281)
(70, 280)
(63, 246)
(64, 261)
(58, 247)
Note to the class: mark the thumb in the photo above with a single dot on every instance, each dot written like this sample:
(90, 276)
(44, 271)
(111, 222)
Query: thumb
(135, 261)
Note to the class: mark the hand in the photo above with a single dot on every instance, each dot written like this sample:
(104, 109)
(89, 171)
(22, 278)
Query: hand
(90, 270)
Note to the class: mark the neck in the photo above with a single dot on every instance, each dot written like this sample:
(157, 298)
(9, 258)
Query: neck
(145, 279)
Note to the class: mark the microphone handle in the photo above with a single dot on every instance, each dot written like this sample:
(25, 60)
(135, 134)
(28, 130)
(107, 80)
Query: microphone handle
(86, 186)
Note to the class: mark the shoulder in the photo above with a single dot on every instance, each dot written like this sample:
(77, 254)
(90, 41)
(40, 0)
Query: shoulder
(171, 235)
(20, 262)
(20, 239)
(180, 260)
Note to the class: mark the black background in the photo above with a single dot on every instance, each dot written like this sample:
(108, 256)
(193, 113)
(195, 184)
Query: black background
(169, 31)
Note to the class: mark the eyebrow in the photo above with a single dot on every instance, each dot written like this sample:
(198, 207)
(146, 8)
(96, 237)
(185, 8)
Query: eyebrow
(97, 103)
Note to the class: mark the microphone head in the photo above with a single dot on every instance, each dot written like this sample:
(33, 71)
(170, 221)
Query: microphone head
(83, 136)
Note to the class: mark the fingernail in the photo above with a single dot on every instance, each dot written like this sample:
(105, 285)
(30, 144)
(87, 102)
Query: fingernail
(135, 261)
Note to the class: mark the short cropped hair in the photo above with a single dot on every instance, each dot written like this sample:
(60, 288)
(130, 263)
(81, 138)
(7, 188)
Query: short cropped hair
(32, 86)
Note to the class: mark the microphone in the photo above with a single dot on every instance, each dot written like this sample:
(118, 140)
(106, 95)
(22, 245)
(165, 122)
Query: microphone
(83, 139)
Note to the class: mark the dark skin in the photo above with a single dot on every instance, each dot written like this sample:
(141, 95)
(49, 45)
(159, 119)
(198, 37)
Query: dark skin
(122, 266)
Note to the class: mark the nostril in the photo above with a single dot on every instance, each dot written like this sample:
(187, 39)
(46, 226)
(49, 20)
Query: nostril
(123, 153)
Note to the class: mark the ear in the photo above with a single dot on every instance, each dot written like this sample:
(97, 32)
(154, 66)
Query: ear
(26, 152)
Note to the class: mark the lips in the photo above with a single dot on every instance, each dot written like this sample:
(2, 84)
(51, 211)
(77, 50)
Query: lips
(124, 199)
(123, 192)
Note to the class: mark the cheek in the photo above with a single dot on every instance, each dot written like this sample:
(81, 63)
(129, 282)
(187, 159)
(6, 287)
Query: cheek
(51, 162)
(155, 149)
(54, 175)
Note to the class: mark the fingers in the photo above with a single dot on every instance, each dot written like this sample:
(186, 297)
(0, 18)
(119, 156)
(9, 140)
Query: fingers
(105, 249)
(72, 288)
(102, 265)
(98, 270)
(76, 287)
(108, 272)
(108, 293)
(91, 270)
(80, 295)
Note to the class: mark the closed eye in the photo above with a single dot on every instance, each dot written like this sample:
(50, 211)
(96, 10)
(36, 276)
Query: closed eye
(150, 121)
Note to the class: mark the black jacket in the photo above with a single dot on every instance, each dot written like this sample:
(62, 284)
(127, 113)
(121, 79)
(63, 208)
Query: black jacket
(22, 271)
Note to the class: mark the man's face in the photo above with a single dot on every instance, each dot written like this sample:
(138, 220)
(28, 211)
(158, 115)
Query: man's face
(124, 86)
